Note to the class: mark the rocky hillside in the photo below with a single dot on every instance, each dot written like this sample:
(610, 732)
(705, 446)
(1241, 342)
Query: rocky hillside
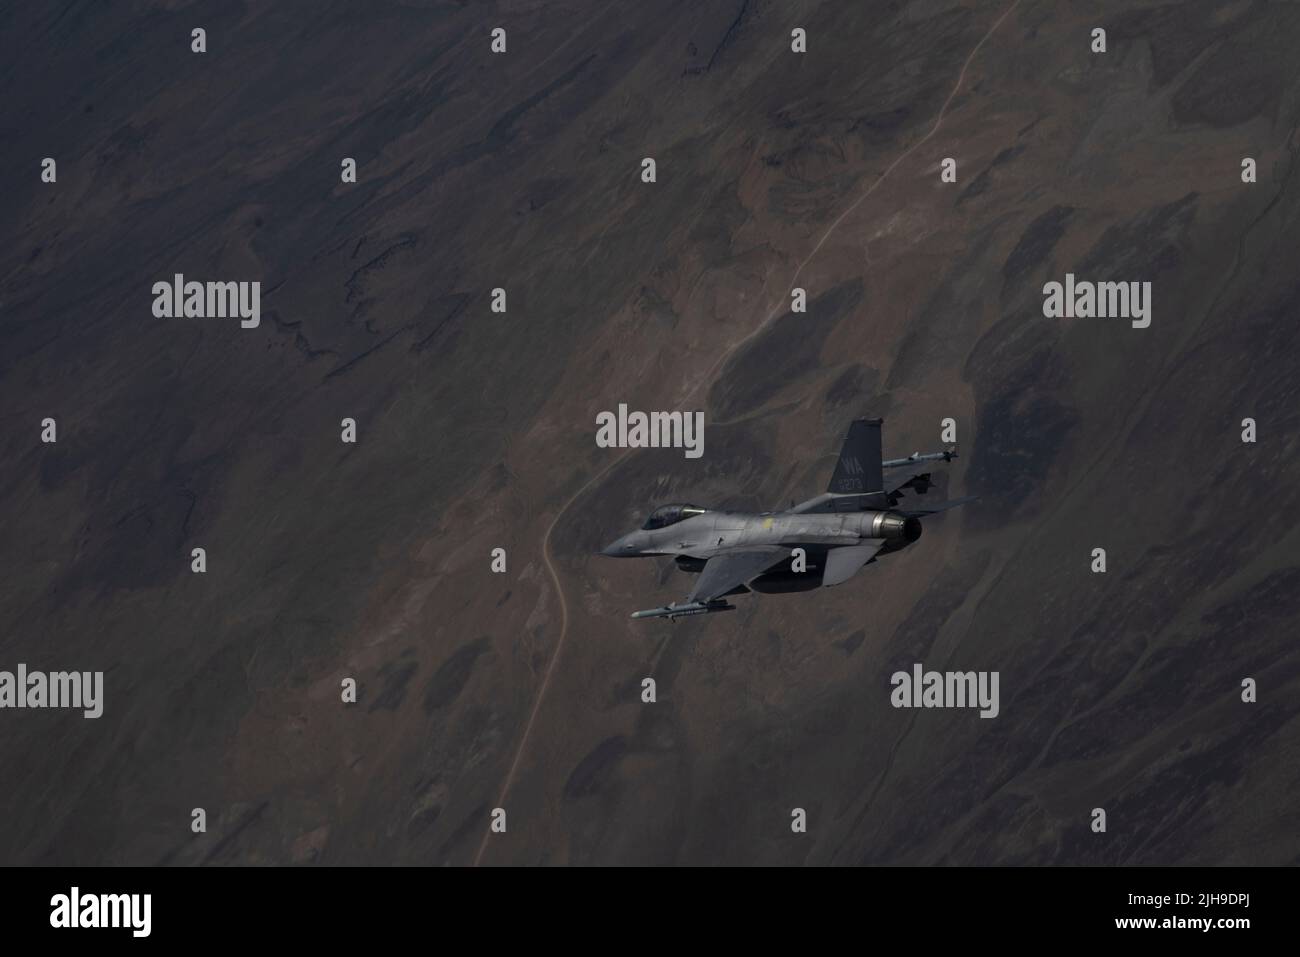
(523, 171)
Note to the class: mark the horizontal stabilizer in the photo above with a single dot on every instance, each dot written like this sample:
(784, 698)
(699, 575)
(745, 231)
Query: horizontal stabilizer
(843, 563)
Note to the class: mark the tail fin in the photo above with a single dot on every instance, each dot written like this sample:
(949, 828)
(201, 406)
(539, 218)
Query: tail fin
(859, 469)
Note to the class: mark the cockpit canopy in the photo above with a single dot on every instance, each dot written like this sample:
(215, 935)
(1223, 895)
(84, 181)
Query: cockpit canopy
(666, 515)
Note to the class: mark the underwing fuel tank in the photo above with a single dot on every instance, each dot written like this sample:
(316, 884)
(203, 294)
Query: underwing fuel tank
(783, 582)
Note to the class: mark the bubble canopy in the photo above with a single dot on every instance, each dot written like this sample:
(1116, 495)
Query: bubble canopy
(666, 515)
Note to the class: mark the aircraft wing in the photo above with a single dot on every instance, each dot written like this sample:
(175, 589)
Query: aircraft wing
(725, 571)
(859, 481)
(901, 486)
(920, 510)
(829, 502)
(913, 477)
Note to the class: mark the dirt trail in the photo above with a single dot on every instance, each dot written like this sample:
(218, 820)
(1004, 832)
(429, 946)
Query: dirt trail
(708, 379)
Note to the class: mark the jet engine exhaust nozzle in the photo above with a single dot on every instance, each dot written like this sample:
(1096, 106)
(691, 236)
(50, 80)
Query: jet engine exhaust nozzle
(894, 527)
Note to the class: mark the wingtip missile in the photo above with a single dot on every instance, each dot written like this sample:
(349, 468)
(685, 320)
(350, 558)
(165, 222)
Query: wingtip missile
(947, 455)
(688, 608)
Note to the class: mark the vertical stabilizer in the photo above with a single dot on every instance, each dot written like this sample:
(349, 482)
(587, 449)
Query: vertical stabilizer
(859, 469)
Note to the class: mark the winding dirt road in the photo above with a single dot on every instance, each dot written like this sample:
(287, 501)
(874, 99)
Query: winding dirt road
(707, 380)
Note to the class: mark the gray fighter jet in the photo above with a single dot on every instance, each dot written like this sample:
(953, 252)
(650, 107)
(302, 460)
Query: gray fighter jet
(858, 519)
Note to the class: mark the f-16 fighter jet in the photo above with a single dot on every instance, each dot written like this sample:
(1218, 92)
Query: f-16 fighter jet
(858, 519)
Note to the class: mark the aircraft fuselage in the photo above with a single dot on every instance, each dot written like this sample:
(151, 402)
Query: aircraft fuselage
(706, 535)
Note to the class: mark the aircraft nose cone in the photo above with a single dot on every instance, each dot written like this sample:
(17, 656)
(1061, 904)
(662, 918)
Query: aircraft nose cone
(618, 548)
